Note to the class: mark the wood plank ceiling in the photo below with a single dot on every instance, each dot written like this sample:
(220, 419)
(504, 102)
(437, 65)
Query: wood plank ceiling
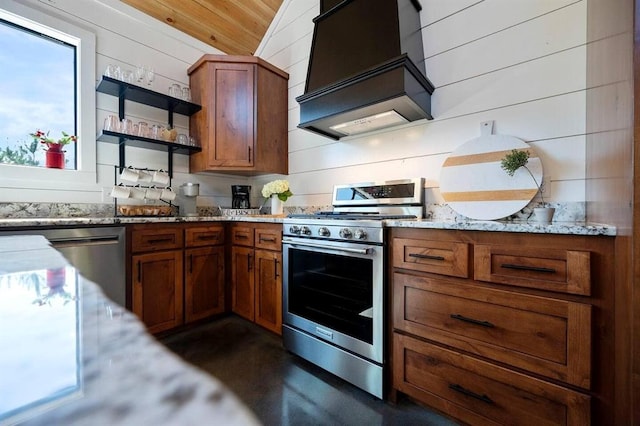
(235, 27)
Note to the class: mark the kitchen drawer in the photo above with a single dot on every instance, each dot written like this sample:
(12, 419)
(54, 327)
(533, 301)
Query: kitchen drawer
(204, 236)
(242, 235)
(481, 393)
(269, 238)
(439, 257)
(547, 336)
(565, 271)
(155, 238)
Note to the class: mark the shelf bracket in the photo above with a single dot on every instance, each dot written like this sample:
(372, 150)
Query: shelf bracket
(121, 159)
(170, 118)
(170, 162)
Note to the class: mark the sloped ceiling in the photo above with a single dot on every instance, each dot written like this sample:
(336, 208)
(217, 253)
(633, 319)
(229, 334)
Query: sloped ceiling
(235, 27)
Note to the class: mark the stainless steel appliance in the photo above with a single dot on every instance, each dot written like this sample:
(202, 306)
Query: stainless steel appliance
(98, 253)
(334, 279)
(187, 199)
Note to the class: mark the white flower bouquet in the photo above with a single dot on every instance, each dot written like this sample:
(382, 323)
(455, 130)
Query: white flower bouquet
(277, 187)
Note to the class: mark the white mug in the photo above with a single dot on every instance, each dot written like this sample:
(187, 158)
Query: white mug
(137, 192)
(130, 175)
(168, 194)
(119, 191)
(160, 177)
(144, 176)
(153, 193)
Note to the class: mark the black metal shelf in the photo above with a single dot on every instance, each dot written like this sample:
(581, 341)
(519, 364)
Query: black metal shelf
(127, 91)
(142, 95)
(148, 143)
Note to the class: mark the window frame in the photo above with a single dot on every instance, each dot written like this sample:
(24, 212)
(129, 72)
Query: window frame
(84, 177)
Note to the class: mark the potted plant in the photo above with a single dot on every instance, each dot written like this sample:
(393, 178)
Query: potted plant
(278, 191)
(517, 159)
(54, 154)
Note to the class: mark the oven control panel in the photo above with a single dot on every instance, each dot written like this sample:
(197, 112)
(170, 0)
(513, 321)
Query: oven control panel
(343, 231)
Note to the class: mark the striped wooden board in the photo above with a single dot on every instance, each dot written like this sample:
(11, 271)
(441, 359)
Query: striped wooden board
(474, 185)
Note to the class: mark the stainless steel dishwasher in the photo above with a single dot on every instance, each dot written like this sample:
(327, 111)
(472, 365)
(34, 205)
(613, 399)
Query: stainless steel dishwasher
(98, 253)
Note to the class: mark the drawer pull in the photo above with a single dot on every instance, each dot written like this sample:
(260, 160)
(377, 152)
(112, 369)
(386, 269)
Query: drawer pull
(241, 236)
(528, 268)
(425, 256)
(467, 392)
(472, 321)
(267, 240)
(207, 237)
(160, 240)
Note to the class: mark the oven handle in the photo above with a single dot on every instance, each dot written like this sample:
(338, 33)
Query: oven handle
(331, 248)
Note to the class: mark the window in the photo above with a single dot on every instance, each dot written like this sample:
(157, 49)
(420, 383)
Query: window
(37, 80)
(57, 60)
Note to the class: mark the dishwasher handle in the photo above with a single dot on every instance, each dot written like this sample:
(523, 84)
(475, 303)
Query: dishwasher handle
(83, 241)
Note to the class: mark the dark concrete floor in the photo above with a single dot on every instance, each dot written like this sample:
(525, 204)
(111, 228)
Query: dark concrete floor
(281, 388)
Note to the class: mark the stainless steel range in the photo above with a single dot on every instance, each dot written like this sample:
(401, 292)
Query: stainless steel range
(334, 279)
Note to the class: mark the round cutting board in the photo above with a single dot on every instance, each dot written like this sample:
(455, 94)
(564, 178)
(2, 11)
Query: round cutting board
(474, 185)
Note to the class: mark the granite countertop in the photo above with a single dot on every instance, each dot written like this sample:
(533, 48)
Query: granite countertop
(523, 226)
(531, 226)
(71, 356)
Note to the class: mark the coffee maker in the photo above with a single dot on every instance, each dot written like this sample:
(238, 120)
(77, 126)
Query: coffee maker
(240, 196)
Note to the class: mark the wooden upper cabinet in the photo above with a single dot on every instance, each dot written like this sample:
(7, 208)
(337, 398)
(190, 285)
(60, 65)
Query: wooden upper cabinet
(242, 126)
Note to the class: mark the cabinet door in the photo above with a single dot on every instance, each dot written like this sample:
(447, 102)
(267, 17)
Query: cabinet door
(242, 281)
(268, 276)
(204, 282)
(157, 289)
(232, 116)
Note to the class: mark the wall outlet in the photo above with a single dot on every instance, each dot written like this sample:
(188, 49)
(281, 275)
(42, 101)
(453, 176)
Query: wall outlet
(106, 197)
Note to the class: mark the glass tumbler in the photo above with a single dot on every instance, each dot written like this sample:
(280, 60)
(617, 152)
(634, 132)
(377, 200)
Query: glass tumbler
(186, 94)
(143, 129)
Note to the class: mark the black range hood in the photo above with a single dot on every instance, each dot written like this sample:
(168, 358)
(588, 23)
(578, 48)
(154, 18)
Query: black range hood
(366, 69)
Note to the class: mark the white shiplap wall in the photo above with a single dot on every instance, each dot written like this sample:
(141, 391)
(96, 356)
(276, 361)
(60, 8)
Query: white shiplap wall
(519, 63)
(127, 37)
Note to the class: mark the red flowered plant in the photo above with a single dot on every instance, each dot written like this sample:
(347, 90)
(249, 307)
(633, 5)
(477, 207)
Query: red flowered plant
(44, 139)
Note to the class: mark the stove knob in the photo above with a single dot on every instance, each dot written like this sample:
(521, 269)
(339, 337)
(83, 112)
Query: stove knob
(294, 229)
(305, 230)
(324, 232)
(346, 233)
(360, 234)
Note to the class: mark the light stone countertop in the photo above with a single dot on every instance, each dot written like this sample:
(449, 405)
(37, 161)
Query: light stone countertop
(530, 226)
(73, 357)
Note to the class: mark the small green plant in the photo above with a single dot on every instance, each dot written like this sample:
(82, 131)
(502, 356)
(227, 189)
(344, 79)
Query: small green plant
(516, 159)
(24, 154)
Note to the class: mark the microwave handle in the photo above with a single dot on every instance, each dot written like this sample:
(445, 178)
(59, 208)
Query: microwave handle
(334, 249)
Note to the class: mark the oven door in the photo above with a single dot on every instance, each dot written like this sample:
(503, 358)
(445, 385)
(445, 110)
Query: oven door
(334, 291)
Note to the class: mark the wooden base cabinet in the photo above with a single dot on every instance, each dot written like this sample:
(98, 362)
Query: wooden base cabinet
(500, 328)
(256, 276)
(177, 273)
(157, 289)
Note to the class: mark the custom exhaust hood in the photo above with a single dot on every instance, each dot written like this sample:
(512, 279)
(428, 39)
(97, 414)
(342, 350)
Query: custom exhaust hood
(366, 68)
